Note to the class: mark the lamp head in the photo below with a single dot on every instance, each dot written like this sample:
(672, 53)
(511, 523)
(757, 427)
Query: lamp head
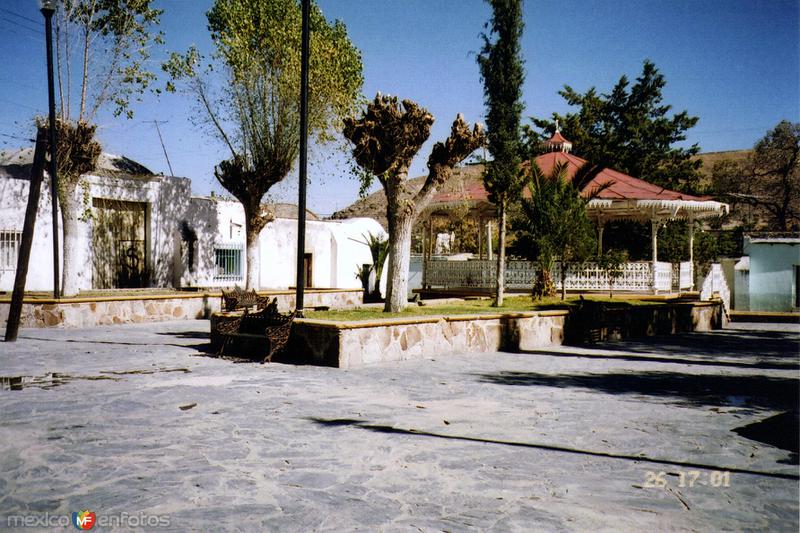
(47, 7)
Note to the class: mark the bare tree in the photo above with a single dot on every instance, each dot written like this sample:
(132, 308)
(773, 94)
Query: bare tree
(386, 138)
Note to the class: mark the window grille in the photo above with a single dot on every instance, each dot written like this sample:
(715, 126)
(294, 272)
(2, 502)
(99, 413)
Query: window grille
(9, 249)
(228, 262)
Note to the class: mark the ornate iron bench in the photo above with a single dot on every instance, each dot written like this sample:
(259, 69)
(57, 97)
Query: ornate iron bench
(267, 324)
(241, 299)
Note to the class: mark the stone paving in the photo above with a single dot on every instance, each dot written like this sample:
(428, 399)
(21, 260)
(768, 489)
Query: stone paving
(622, 437)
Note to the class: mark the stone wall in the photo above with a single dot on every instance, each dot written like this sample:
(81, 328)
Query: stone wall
(103, 311)
(354, 344)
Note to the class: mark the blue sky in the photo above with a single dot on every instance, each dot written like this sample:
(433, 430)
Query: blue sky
(733, 63)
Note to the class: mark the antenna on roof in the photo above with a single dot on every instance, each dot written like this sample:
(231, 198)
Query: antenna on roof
(158, 130)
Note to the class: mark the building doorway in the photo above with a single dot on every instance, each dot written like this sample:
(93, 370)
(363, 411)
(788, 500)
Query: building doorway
(119, 242)
(308, 269)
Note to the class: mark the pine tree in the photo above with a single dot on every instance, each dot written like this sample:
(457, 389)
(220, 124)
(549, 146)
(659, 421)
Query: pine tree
(502, 72)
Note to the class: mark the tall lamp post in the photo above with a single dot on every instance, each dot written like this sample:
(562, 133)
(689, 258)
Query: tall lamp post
(301, 203)
(48, 9)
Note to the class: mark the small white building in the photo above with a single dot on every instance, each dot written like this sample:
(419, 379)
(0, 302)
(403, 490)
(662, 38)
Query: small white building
(334, 250)
(128, 231)
(146, 230)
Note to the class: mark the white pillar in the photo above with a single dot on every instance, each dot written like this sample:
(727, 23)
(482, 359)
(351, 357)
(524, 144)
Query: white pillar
(601, 225)
(425, 253)
(654, 234)
(489, 240)
(691, 250)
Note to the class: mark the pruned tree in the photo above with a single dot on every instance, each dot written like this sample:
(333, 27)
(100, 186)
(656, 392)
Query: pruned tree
(385, 139)
(502, 73)
(555, 224)
(257, 116)
(768, 181)
(105, 45)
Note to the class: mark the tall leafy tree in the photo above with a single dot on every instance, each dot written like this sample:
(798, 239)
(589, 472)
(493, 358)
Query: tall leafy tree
(629, 129)
(102, 51)
(768, 182)
(385, 138)
(502, 73)
(257, 114)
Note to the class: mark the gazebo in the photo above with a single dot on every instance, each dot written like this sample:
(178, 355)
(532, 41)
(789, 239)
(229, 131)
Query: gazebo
(621, 197)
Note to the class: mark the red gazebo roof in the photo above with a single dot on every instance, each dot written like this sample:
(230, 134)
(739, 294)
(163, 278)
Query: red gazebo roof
(625, 197)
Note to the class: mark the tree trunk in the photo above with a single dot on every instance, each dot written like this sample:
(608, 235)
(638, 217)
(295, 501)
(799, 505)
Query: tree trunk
(73, 267)
(399, 262)
(563, 280)
(252, 273)
(501, 254)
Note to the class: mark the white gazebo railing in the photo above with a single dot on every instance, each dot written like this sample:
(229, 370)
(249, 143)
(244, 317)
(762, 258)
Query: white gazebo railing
(635, 276)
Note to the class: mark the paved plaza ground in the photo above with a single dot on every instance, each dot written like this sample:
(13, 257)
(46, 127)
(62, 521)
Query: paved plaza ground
(626, 436)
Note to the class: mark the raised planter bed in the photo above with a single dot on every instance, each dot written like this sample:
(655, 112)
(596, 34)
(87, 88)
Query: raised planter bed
(358, 343)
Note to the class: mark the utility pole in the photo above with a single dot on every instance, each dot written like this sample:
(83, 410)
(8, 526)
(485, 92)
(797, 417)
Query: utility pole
(37, 173)
(48, 10)
(301, 203)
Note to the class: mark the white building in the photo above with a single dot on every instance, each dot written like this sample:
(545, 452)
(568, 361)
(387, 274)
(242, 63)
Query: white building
(145, 230)
(333, 249)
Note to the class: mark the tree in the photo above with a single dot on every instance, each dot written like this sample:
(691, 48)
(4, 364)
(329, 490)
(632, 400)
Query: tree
(114, 39)
(555, 224)
(385, 139)
(379, 249)
(768, 181)
(257, 118)
(502, 73)
(612, 262)
(628, 129)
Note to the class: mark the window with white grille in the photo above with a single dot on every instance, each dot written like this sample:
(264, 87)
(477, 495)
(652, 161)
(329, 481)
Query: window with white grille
(9, 248)
(228, 262)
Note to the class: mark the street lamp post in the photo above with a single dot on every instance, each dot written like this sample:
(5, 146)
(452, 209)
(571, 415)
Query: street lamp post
(301, 202)
(48, 9)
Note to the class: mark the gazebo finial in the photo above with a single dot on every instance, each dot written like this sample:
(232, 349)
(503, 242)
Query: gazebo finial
(557, 143)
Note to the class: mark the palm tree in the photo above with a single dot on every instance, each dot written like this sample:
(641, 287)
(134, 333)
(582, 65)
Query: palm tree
(555, 226)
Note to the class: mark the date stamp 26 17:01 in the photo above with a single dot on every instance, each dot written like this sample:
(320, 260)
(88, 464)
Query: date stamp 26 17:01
(688, 478)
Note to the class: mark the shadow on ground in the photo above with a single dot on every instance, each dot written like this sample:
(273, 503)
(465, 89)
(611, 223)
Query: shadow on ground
(752, 391)
(391, 430)
(779, 345)
(786, 363)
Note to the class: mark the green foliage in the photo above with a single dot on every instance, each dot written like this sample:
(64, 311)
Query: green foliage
(628, 129)
(379, 250)
(502, 73)
(257, 51)
(555, 224)
(117, 38)
(765, 189)
(612, 262)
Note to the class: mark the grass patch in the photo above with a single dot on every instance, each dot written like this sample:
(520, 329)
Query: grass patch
(483, 306)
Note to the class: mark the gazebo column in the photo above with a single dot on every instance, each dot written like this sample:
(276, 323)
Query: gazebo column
(691, 251)
(425, 239)
(654, 223)
(601, 225)
(489, 240)
(480, 237)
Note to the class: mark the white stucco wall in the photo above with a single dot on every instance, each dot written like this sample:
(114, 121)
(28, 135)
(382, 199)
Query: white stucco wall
(166, 199)
(332, 245)
(772, 283)
(13, 201)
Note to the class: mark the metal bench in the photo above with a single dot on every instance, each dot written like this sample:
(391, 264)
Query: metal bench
(267, 324)
(241, 299)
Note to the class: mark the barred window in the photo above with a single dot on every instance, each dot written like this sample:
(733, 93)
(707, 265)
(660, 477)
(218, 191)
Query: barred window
(9, 248)
(228, 262)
